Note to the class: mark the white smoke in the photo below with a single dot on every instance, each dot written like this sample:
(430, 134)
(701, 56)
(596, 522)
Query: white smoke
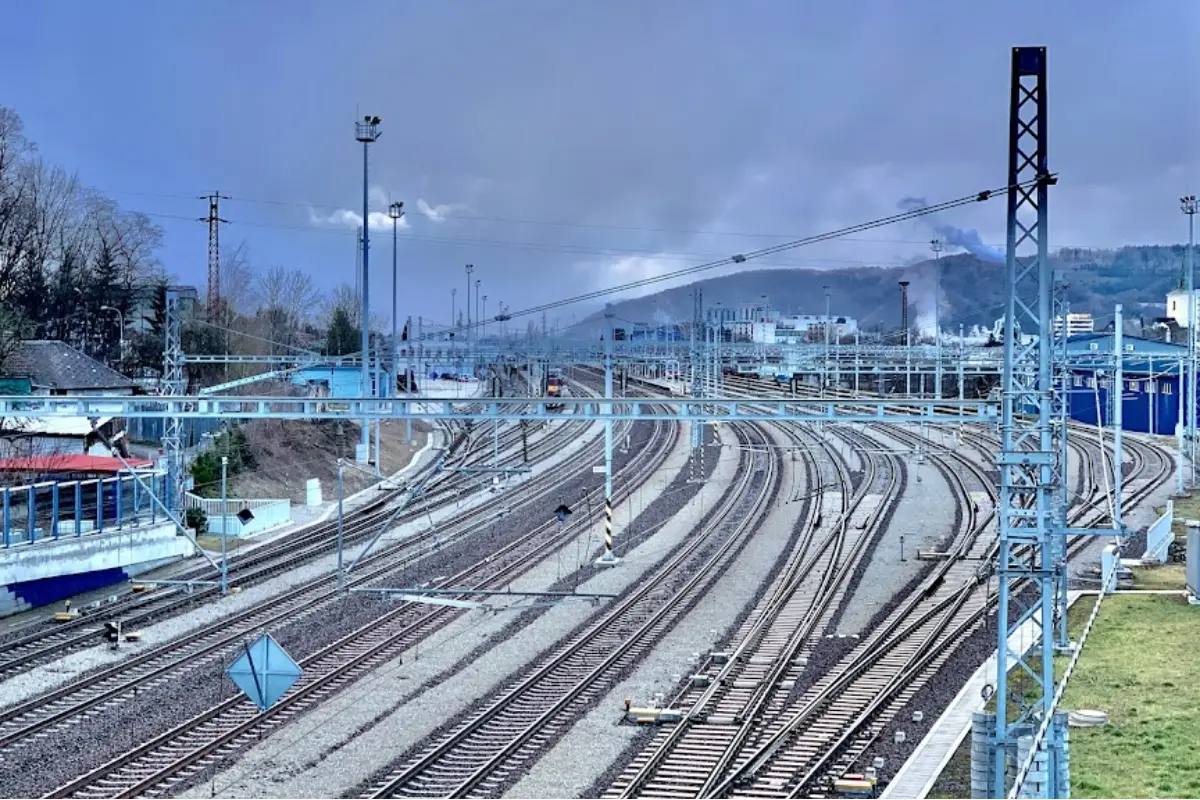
(968, 240)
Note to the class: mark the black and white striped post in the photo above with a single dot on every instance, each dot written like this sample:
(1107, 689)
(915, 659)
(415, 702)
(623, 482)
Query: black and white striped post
(608, 558)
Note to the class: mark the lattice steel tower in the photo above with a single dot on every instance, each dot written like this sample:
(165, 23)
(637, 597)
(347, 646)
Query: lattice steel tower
(1028, 461)
(173, 383)
(214, 249)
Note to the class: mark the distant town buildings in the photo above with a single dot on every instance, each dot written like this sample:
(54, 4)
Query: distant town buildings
(1177, 307)
(1076, 324)
(757, 322)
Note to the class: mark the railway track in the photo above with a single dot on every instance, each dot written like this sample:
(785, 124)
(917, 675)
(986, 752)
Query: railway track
(162, 762)
(771, 643)
(838, 716)
(481, 755)
(54, 640)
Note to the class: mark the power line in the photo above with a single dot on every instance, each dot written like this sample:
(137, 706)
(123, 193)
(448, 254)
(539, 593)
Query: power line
(552, 248)
(461, 216)
(742, 258)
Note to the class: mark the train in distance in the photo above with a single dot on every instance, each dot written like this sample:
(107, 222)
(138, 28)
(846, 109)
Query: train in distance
(555, 388)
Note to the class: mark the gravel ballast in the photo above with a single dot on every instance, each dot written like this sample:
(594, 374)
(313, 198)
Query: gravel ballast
(56, 673)
(593, 747)
(331, 749)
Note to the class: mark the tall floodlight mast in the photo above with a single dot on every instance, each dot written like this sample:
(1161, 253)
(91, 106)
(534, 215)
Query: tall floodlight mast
(366, 132)
(1189, 206)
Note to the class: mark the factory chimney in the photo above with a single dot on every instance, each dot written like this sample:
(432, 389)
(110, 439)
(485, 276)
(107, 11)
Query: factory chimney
(904, 309)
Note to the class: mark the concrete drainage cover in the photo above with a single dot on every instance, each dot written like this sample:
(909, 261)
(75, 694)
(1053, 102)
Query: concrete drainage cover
(1087, 718)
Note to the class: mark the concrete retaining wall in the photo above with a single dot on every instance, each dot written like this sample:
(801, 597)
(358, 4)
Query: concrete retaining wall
(50, 570)
(265, 517)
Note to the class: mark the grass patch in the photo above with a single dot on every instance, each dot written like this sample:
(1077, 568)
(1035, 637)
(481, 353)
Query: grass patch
(213, 543)
(1186, 508)
(1159, 576)
(1136, 666)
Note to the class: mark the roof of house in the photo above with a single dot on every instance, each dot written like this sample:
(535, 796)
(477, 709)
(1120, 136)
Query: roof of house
(58, 366)
(72, 463)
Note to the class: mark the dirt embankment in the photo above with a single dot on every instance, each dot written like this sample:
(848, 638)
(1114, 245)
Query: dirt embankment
(289, 452)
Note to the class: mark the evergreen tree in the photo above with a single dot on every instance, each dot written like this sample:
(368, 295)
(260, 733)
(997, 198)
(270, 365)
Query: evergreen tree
(343, 337)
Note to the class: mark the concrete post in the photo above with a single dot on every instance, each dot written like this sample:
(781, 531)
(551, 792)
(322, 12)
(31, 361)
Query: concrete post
(608, 558)
(341, 574)
(857, 363)
(224, 525)
(962, 354)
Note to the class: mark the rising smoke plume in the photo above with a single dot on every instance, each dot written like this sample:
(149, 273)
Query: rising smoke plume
(954, 237)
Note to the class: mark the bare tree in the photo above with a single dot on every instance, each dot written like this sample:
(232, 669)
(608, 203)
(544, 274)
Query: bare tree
(236, 273)
(345, 298)
(286, 300)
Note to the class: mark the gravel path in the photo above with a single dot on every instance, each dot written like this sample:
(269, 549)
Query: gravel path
(365, 728)
(593, 747)
(924, 515)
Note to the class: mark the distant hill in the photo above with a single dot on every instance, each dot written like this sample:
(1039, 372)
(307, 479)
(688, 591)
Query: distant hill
(972, 289)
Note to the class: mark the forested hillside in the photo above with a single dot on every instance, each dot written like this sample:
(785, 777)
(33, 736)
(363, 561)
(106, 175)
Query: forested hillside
(972, 290)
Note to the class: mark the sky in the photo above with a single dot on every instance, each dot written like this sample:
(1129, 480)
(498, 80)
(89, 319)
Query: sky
(562, 146)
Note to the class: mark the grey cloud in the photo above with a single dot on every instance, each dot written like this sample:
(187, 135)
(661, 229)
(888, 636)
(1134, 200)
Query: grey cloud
(638, 124)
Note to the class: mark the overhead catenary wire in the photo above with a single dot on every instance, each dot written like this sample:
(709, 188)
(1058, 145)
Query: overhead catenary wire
(571, 249)
(741, 258)
(458, 215)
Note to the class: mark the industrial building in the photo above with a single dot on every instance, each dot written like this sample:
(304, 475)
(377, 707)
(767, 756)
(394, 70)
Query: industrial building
(1150, 398)
(1076, 324)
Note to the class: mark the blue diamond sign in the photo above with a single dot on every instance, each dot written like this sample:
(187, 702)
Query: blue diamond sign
(264, 672)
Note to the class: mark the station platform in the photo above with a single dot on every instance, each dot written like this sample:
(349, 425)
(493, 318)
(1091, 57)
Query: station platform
(916, 778)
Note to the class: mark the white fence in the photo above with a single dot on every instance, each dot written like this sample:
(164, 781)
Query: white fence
(224, 519)
(1159, 535)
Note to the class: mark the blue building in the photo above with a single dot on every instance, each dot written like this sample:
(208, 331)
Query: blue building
(335, 381)
(1150, 394)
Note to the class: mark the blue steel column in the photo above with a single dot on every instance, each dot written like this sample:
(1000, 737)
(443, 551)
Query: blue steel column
(608, 557)
(1027, 491)
(1189, 208)
(1118, 420)
(366, 304)
(408, 370)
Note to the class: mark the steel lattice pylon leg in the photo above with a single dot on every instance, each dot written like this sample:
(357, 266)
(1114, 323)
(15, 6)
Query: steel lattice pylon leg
(698, 363)
(1061, 416)
(173, 384)
(1028, 494)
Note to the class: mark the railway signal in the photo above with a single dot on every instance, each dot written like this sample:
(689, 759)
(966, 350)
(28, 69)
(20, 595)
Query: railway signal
(112, 633)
